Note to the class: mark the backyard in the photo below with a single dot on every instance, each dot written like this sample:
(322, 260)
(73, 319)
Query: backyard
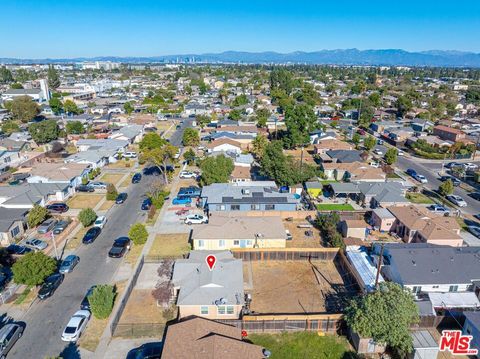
(304, 345)
(335, 207)
(295, 286)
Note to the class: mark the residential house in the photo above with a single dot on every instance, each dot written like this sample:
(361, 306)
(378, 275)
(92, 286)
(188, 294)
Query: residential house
(37, 94)
(207, 339)
(12, 224)
(471, 326)
(321, 147)
(382, 219)
(225, 231)
(319, 136)
(241, 174)
(344, 156)
(130, 133)
(213, 294)
(429, 268)
(7, 144)
(224, 145)
(9, 159)
(400, 134)
(421, 125)
(448, 133)
(249, 196)
(418, 225)
(27, 195)
(382, 194)
(97, 152)
(58, 172)
(353, 172)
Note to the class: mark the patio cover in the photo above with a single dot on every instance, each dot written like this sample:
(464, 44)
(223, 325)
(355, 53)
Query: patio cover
(347, 188)
(454, 300)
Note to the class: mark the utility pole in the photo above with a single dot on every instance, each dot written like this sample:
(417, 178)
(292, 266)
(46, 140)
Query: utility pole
(379, 266)
(301, 159)
(443, 163)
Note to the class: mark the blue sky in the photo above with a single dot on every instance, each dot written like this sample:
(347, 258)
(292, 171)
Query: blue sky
(63, 28)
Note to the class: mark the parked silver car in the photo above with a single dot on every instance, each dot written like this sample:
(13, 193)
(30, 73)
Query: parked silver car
(9, 335)
(47, 226)
(36, 244)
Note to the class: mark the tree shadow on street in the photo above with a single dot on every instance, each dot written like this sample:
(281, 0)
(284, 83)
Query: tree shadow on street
(70, 352)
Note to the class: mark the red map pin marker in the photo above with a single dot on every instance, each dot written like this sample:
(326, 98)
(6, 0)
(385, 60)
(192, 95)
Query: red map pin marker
(211, 259)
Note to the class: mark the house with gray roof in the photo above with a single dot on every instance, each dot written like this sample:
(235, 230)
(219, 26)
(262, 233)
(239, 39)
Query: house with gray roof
(12, 224)
(213, 294)
(130, 133)
(373, 194)
(429, 268)
(98, 152)
(27, 195)
(247, 196)
(344, 156)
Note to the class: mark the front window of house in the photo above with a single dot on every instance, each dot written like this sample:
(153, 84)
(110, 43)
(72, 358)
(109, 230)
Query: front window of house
(204, 310)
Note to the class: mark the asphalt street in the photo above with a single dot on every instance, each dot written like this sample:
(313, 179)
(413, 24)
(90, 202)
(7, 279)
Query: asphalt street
(46, 320)
(431, 170)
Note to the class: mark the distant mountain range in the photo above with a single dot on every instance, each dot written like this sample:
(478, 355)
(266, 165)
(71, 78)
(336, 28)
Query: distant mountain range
(389, 57)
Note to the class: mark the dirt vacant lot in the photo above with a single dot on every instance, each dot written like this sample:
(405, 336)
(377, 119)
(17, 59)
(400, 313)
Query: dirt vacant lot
(295, 287)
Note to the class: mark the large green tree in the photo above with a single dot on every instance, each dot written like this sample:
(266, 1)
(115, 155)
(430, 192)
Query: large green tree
(284, 170)
(259, 144)
(8, 127)
(56, 105)
(33, 268)
(36, 216)
(101, 300)
(5, 75)
(71, 107)
(23, 108)
(53, 78)
(150, 141)
(44, 132)
(75, 128)
(446, 188)
(138, 233)
(384, 315)
(190, 137)
(300, 121)
(216, 169)
(391, 156)
(261, 116)
(369, 142)
(161, 157)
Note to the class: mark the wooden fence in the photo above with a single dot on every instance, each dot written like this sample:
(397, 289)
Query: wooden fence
(329, 323)
(286, 254)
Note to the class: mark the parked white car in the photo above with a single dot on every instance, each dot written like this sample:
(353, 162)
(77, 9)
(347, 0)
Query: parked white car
(100, 222)
(459, 201)
(76, 325)
(378, 152)
(187, 174)
(470, 166)
(400, 153)
(98, 185)
(420, 178)
(130, 154)
(196, 219)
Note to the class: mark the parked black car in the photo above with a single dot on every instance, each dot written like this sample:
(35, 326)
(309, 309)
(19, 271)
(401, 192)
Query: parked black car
(85, 188)
(50, 285)
(146, 351)
(57, 207)
(119, 247)
(455, 181)
(18, 249)
(91, 234)
(85, 304)
(137, 177)
(121, 198)
(146, 204)
(151, 171)
(475, 195)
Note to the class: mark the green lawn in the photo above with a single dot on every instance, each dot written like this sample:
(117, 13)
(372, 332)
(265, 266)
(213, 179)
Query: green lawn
(303, 345)
(334, 207)
(393, 175)
(419, 198)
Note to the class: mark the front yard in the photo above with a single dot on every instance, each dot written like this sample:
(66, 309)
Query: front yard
(304, 345)
(335, 207)
(81, 201)
(112, 178)
(419, 198)
(170, 245)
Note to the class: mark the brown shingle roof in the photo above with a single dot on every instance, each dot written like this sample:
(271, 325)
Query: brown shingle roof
(222, 141)
(201, 338)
